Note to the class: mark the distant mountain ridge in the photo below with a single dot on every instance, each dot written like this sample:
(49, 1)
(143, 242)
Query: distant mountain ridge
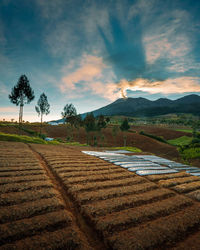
(140, 107)
(144, 107)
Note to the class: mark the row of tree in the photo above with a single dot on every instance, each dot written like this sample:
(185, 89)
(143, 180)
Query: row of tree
(22, 94)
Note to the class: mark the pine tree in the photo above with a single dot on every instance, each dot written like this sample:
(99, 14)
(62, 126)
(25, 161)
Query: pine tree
(21, 94)
(43, 107)
(124, 127)
(69, 112)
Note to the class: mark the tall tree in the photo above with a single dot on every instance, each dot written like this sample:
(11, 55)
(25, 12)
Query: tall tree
(21, 94)
(124, 127)
(69, 112)
(107, 119)
(115, 129)
(43, 107)
(101, 123)
(89, 124)
(77, 124)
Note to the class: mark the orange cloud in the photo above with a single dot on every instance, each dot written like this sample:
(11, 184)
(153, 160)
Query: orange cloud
(90, 69)
(168, 86)
(93, 75)
(107, 90)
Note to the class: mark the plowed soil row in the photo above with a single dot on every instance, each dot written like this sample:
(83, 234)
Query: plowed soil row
(127, 211)
(146, 144)
(33, 212)
(180, 182)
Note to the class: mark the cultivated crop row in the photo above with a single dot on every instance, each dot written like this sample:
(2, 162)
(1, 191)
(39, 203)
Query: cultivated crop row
(181, 182)
(126, 210)
(32, 212)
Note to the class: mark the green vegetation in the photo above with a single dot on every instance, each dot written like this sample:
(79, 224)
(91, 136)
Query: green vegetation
(190, 153)
(125, 127)
(21, 94)
(95, 125)
(7, 124)
(181, 141)
(68, 113)
(188, 147)
(25, 139)
(158, 138)
(43, 108)
(174, 120)
(76, 144)
(185, 130)
(29, 131)
(132, 149)
(115, 129)
(33, 133)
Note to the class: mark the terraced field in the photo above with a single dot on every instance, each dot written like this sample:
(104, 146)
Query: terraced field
(33, 213)
(66, 199)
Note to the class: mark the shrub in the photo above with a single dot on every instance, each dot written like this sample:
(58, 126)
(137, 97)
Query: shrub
(42, 136)
(190, 153)
(29, 131)
(158, 138)
(21, 138)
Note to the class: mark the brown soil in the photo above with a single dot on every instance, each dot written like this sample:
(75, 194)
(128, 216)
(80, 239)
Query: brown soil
(167, 133)
(81, 202)
(120, 205)
(34, 211)
(146, 144)
(12, 130)
(106, 138)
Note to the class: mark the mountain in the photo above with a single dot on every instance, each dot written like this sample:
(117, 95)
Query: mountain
(144, 107)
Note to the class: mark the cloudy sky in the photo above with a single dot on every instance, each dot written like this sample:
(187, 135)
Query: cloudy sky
(92, 52)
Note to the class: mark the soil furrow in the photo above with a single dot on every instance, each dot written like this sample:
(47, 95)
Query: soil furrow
(85, 229)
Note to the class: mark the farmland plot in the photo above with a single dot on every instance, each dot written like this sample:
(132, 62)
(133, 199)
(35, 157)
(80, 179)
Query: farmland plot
(32, 212)
(128, 211)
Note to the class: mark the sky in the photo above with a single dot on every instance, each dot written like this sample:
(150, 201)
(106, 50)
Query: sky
(92, 52)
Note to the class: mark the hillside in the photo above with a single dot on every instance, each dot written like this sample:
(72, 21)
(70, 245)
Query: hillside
(140, 107)
(144, 107)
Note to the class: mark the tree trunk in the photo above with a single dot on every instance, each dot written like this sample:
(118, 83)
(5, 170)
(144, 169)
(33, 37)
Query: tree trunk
(78, 134)
(125, 140)
(41, 124)
(20, 114)
(21, 109)
(87, 138)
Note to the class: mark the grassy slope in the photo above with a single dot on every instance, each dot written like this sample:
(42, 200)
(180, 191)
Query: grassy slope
(181, 141)
(185, 130)
(24, 138)
(132, 149)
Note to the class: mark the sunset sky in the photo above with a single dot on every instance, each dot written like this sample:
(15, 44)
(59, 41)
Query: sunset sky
(91, 53)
